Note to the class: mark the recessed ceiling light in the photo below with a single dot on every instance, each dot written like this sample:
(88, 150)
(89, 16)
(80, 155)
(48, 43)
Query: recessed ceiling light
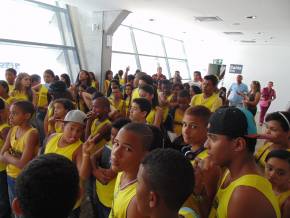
(183, 32)
(208, 19)
(251, 17)
(233, 33)
(151, 19)
(236, 24)
(272, 37)
(248, 41)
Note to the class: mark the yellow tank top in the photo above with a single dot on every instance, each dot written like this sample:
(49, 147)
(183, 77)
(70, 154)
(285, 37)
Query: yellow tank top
(17, 147)
(128, 104)
(106, 192)
(42, 97)
(67, 151)
(122, 198)
(135, 94)
(19, 96)
(119, 107)
(222, 198)
(11, 88)
(106, 86)
(95, 128)
(151, 117)
(282, 197)
(187, 212)
(262, 153)
(2, 126)
(177, 123)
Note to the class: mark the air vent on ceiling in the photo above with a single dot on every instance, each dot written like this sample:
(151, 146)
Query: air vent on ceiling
(208, 19)
(233, 33)
(248, 41)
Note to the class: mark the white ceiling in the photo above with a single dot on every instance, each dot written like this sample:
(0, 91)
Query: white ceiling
(272, 25)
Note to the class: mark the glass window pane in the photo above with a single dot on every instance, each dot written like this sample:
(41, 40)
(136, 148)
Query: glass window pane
(148, 43)
(16, 56)
(121, 61)
(177, 65)
(174, 48)
(150, 64)
(28, 22)
(122, 40)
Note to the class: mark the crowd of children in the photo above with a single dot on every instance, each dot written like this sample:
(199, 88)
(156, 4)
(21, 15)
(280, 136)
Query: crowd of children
(143, 147)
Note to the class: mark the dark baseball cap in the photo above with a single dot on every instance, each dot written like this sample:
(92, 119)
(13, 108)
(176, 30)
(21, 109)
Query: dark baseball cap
(233, 122)
(57, 86)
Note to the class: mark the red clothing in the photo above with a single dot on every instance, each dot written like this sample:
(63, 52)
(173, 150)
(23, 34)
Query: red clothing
(157, 77)
(266, 96)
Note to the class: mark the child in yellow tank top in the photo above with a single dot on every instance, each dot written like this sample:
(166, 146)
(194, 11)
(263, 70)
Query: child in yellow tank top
(21, 144)
(61, 107)
(69, 143)
(129, 148)
(277, 171)
(117, 102)
(98, 123)
(277, 129)
(4, 129)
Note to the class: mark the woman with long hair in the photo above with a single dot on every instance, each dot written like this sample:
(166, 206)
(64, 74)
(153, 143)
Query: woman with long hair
(252, 99)
(108, 78)
(22, 89)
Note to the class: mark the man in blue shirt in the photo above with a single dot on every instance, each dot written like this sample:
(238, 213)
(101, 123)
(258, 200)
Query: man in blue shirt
(234, 94)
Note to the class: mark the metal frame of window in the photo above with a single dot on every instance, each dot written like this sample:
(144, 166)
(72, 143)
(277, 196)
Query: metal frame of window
(166, 57)
(63, 47)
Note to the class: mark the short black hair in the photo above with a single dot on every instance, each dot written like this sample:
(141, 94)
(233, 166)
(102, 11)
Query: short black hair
(199, 111)
(165, 82)
(97, 95)
(11, 70)
(148, 79)
(130, 77)
(170, 175)
(196, 89)
(152, 91)
(2, 104)
(281, 117)
(197, 72)
(119, 123)
(35, 78)
(158, 139)
(104, 101)
(143, 131)
(50, 72)
(212, 78)
(25, 107)
(48, 187)
(67, 104)
(4, 84)
(143, 104)
(184, 94)
(280, 154)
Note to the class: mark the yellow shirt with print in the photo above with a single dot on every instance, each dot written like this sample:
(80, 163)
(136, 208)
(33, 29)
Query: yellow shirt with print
(212, 103)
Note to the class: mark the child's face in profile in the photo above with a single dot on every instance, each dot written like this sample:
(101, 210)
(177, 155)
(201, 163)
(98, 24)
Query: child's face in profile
(72, 132)
(17, 116)
(59, 110)
(127, 151)
(277, 171)
(276, 132)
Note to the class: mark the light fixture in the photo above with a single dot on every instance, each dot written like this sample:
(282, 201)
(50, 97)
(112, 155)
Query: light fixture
(236, 24)
(251, 17)
(151, 19)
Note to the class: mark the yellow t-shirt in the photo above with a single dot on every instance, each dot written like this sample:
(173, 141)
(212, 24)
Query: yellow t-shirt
(122, 198)
(17, 147)
(18, 96)
(212, 103)
(177, 123)
(106, 86)
(2, 126)
(151, 117)
(41, 95)
(120, 106)
(95, 128)
(135, 94)
(282, 197)
(11, 88)
(106, 192)
(223, 196)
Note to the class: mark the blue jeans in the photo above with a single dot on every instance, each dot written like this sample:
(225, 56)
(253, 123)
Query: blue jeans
(5, 211)
(11, 188)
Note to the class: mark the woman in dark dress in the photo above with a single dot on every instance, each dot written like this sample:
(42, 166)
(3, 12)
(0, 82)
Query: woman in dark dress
(252, 99)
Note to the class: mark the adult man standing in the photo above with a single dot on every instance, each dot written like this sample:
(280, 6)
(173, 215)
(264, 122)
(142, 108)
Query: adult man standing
(158, 76)
(234, 94)
(208, 98)
(267, 96)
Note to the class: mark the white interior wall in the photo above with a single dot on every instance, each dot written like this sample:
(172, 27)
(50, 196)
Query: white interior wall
(260, 62)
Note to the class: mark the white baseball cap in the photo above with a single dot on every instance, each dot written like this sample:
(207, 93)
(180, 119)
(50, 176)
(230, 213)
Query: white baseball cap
(75, 116)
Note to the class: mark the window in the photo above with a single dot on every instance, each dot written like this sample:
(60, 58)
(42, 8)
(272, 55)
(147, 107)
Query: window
(150, 64)
(121, 61)
(174, 48)
(179, 65)
(31, 31)
(122, 40)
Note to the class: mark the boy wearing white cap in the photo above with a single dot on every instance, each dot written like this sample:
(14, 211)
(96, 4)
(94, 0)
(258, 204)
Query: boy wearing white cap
(69, 143)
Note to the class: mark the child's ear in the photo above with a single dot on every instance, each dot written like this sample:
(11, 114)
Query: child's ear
(16, 207)
(153, 199)
(28, 116)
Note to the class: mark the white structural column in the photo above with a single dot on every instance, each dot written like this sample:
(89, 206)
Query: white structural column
(93, 33)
